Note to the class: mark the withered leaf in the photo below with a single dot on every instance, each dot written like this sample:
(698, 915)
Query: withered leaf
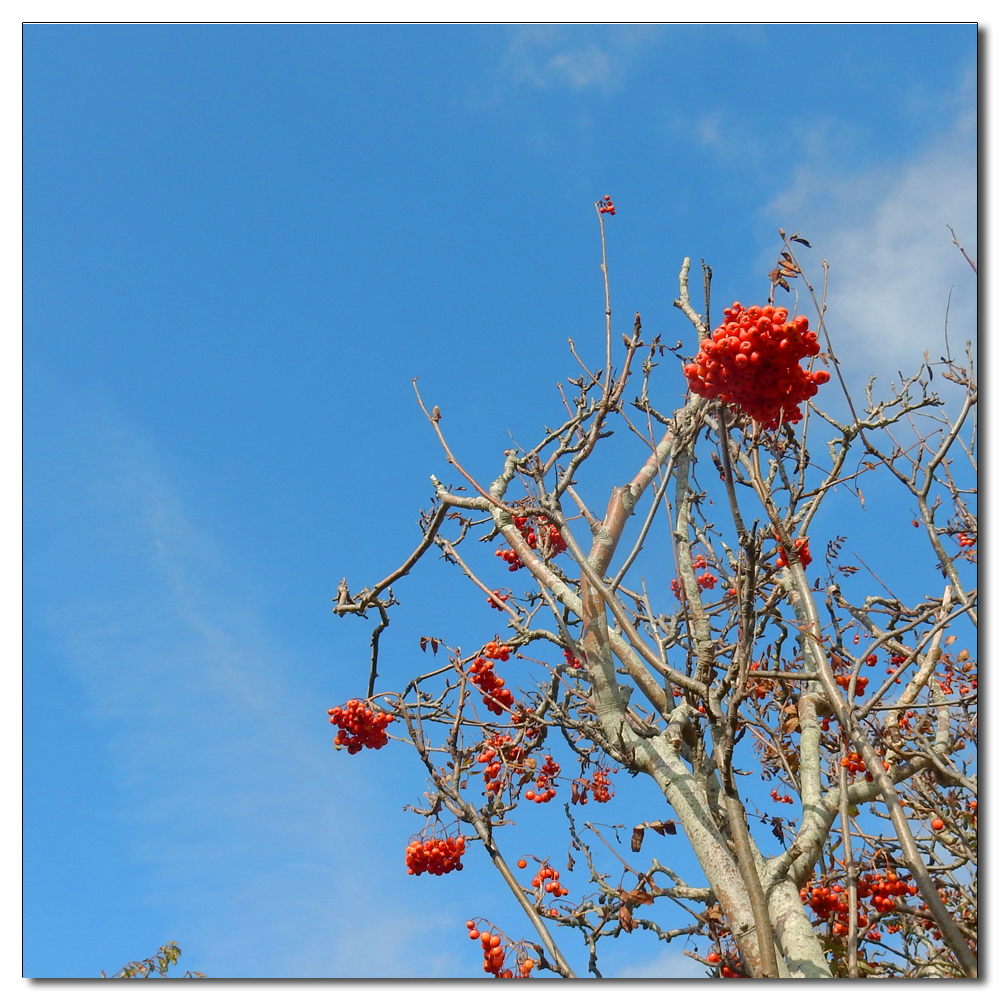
(625, 919)
(664, 826)
(434, 646)
(423, 644)
(570, 863)
(777, 829)
(805, 243)
(637, 897)
(637, 834)
(789, 719)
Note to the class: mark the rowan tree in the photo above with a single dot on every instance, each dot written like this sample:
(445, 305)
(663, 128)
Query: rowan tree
(772, 657)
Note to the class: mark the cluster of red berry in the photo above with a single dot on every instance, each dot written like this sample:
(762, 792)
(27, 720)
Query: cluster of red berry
(968, 679)
(497, 651)
(605, 206)
(544, 783)
(964, 540)
(599, 786)
(359, 726)
(500, 750)
(787, 799)
(802, 547)
(830, 902)
(540, 534)
(752, 361)
(495, 955)
(729, 969)
(844, 681)
(495, 696)
(547, 879)
(510, 557)
(498, 600)
(435, 856)
(706, 581)
(884, 890)
(855, 765)
(572, 660)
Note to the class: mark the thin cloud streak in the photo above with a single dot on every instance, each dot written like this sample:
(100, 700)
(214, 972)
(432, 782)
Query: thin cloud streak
(547, 56)
(226, 795)
(892, 260)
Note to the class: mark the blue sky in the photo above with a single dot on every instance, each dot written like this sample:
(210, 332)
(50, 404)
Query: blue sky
(241, 244)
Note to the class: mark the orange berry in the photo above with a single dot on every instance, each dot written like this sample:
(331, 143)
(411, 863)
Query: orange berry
(937, 824)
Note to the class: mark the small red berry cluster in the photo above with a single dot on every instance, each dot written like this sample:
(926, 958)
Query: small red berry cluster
(964, 540)
(510, 557)
(359, 727)
(573, 661)
(844, 681)
(498, 600)
(599, 786)
(830, 902)
(438, 857)
(947, 682)
(540, 534)
(787, 799)
(604, 206)
(855, 765)
(495, 696)
(495, 955)
(752, 361)
(729, 969)
(544, 783)
(497, 651)
(705, 581)
(801, 546)
(547, 879)
(498, 751)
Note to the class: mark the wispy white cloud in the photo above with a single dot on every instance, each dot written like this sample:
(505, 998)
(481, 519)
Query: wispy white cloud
(230, 792)
(892, 262)
(576, 58)
(671, 964)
